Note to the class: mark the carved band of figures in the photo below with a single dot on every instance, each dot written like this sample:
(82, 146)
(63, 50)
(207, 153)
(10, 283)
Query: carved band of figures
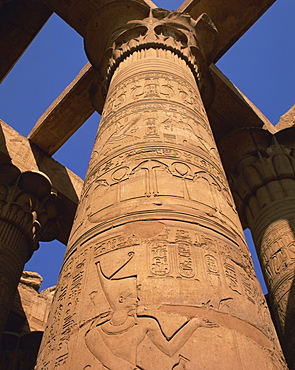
(151, 86)
(172, 110)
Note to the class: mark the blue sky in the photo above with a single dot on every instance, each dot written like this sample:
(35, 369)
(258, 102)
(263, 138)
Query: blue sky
(260, 64)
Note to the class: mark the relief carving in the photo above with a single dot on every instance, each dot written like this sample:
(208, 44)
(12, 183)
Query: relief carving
(231, 276)
(179, 113)
(249, 288)
(185, 260)
(181, 365)
(115, 244)
(160, 259)
(162, 30)
(152, 178)
(157, 85)
(211, 264)
(113, 337)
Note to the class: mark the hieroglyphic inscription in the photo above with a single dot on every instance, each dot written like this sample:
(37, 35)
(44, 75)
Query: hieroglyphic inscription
(277, 255)
(64, 316)
(249, 288)
(278, 249)
(185, 158)
(160, 259)
(164, 111)
(178, 255)
(211, 263)
(154, 126)
(185, 260)
(231, 276)
(187, 256)
(154, 160)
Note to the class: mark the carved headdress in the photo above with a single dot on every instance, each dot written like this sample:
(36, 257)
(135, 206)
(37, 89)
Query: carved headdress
(120, 283)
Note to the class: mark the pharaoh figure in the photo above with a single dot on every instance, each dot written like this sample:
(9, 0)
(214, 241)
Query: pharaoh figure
(113, 338)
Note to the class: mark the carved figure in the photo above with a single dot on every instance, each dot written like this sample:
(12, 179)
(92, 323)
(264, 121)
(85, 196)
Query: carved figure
(113, 337)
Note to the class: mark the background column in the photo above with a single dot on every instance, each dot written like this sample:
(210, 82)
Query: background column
(29, 212)
(261, 167)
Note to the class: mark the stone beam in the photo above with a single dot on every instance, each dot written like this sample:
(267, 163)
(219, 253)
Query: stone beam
(20, 22)
(65, 115)
(231, 109)
(16, 149)
(77, 13)
(287, 120)
(231, 18)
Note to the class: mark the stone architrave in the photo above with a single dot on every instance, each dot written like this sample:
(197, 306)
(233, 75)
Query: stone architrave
(29, 212)
(157, 274)
(261, 167)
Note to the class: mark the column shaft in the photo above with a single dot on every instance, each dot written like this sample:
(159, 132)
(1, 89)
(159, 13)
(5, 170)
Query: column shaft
(157, 274)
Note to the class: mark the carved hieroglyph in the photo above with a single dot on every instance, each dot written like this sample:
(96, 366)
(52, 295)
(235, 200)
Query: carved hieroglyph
(157, 274)
(262, 171)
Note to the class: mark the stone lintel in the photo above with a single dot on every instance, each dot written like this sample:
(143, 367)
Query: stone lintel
(231, 18)
(78, 13)
(16, 149)
(65, 115)
(20, 22)
(149, 3)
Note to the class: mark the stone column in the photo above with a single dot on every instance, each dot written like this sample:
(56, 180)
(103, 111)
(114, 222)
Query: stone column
(29, 212)
(261, 167)
(157, 274)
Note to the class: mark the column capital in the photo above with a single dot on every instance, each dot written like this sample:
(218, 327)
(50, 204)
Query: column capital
(194, 41)
(28, 203)
(257, 161)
